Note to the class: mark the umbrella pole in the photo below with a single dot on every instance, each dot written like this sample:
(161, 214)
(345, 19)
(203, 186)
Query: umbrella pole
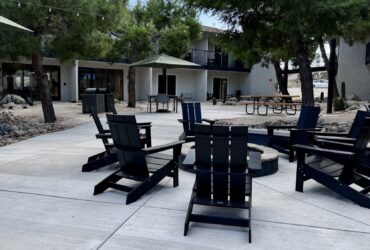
(164, 73)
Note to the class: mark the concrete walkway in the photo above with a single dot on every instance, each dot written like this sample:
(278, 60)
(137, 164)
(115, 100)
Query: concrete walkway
(46, 202)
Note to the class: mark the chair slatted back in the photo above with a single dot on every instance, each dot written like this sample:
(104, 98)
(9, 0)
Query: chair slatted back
(221, 150)
(126, 139)
(308, 117)
(98, 124)
(191, 114)
(364, 136)
(358, 123)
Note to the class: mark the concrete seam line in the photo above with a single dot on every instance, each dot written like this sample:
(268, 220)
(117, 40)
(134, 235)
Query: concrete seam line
(309, 203)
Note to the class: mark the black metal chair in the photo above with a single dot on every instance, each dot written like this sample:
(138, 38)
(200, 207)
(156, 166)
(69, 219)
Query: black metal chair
(297, 134)
(340, 170)
(143, 165)
(164, 100)
(222, 178)
(191, 114)
(108, 157)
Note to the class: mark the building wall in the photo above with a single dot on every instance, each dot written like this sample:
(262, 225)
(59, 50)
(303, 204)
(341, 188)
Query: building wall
(353, 71)
(200, 77)
(260, 81)
(201, 44)
(234, 80)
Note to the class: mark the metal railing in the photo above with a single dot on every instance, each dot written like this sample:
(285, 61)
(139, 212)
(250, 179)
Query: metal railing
(213, 59)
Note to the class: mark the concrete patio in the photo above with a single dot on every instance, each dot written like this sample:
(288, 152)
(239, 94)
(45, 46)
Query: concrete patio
(46, 202)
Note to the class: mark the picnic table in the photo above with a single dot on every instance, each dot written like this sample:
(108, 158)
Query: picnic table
(278, 103)
(175, 98)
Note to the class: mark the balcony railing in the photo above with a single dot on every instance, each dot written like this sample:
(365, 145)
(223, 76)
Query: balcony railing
(214, 60)
(367, 59)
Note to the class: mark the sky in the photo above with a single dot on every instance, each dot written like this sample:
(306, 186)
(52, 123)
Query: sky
(205, 19)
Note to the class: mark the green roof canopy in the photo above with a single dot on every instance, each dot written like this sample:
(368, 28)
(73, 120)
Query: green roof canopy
(7, 24)
(165, 62)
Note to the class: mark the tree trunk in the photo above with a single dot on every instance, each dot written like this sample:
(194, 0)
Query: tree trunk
(305, 71)
(43, 88)
(326, 61)
(131, 88)
(280, 76)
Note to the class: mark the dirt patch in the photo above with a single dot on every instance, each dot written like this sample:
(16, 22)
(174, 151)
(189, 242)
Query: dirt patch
(21, 122)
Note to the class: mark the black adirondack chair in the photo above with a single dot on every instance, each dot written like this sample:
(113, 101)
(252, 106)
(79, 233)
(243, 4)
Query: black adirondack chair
(191, 114)
(339, 170)
(222, 178)
(324, 138)
(145, 165)
(108, 157)
(297, 134)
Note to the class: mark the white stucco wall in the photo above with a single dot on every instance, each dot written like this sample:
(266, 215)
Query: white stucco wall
(143, 82)
(353, 71)
(235, 80)
(201, 44)
(260, 81)
(200, 81)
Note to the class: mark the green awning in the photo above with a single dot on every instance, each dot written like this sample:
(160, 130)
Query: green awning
(7, 24)
(165, 62)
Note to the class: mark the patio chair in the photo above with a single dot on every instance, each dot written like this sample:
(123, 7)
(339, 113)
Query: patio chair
(324, 137)
(340, 170)
(191, 114)
(297, 134)
(164, 100)
(144, 165)
(222, 179)
(108, 157)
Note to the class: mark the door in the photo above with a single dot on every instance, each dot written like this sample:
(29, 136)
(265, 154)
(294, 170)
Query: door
(219, 88)
(169, 88)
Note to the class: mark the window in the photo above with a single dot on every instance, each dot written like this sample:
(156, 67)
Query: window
(17, 79)
(170, 88)
(101, 78)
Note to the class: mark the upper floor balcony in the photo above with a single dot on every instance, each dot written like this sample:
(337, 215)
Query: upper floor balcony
(367, 58)
(214, 60)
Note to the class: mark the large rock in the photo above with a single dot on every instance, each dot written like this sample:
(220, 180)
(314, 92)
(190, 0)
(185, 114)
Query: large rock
(16, 99)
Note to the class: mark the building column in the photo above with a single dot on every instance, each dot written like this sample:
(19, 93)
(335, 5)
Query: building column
(74, 81)
(201, 78)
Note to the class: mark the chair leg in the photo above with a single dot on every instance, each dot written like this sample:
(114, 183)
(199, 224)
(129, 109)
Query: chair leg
(291, 155)
(300, 175)
(176, 176)
(148, 184)
(104, 184)
(188, 214)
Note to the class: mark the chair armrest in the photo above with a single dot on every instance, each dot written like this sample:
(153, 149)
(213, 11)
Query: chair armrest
(144, 124)
(336, 138)
(335, 145)
(324, 151)
(106, 131)
(209, 121)
(181, 120)
(163, 147)
(103, 136)
(329, 134)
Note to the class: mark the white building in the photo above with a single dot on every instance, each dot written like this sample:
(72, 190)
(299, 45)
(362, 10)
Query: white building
(68, 80)
(354, 69)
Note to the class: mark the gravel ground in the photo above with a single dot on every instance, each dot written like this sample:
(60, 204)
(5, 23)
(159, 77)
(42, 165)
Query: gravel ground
(21, 123)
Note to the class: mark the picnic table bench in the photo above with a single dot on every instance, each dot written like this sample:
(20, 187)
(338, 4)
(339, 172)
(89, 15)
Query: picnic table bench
(278, 103)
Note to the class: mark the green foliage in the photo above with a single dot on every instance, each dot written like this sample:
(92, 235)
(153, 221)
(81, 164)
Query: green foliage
(174, 40)
(69, 30)
(261, 30)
